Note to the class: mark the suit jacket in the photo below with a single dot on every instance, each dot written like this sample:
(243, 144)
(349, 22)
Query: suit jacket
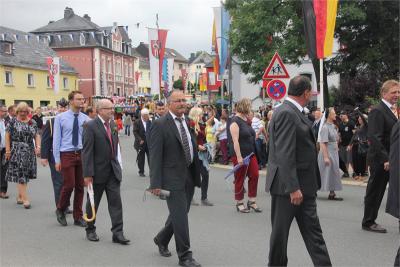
(98, 159)
(140, 133)
(292, 162)
(46, 150)
(168, 168)
(380, 123)
(393, 200)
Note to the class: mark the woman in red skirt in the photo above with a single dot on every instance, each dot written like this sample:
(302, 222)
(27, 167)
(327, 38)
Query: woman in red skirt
(242, 145)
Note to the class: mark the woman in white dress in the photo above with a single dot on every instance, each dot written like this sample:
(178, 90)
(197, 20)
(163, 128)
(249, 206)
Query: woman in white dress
(328, 157)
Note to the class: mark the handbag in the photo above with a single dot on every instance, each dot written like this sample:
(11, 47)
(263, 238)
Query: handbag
(362, 148)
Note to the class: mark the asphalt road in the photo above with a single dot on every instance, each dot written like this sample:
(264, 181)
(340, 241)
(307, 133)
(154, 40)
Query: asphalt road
(220, 236)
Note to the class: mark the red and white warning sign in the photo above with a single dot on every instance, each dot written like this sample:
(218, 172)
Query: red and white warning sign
(276, 69)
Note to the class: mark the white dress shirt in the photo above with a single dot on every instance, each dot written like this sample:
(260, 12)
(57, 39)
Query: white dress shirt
(177, 123)
(294, 102)
(119, 156)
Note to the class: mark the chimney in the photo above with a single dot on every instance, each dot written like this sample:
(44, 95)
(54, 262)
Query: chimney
(86, 16)
(51, 21)
(68, 13)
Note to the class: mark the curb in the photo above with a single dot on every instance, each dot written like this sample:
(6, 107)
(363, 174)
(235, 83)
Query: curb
(345, 181)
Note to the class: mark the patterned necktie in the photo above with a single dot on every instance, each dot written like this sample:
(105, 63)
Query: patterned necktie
(185, 142)
(75, 131)
(394, 110)
(108, 129)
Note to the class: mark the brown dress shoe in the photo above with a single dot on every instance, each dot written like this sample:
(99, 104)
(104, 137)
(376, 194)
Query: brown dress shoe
(375, 228)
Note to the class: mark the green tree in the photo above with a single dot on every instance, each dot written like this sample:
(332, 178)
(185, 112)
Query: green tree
(178, 84)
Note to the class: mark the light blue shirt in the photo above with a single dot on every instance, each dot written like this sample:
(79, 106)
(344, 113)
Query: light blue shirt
(2, 133)
(62, 134)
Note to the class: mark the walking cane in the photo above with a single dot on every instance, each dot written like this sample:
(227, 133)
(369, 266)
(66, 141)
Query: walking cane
(91, 199)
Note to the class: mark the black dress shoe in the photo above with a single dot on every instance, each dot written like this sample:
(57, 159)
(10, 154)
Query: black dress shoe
(80, 222)
(163, 250)
(120, 238)
(142, 174)
(374, 228)
(189, 263)
(68, 211)
(61, 217)
(92, 236)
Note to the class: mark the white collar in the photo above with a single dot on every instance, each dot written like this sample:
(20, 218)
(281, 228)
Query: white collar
(174, 116)
(102, 121)
(294, 102)
(387, 103)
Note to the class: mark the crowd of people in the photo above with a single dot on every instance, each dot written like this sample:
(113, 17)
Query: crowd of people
(304, 151)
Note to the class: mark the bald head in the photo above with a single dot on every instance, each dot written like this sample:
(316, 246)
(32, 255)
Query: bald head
(105, 109)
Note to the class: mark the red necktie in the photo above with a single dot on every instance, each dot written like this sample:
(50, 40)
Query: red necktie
(109, 137)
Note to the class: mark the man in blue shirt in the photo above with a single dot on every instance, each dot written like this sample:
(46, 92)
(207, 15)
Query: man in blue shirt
(67, 146)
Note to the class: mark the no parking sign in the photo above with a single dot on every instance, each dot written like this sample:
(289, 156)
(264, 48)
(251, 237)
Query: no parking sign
(276, 89)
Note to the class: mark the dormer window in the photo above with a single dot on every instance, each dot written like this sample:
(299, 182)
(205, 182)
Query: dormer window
(8, 48)
(82, 39)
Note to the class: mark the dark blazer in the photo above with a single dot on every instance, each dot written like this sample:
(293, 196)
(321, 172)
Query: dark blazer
(380, 123)
(46, 150)
(292, 162)
(98, 161)
(140, 133)
(168, 169)
(393, 200)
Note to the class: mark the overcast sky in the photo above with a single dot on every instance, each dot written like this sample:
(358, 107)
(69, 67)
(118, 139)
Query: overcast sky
(189, 21)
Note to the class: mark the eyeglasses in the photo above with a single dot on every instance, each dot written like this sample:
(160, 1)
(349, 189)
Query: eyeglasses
(107, 108)
(179, 101)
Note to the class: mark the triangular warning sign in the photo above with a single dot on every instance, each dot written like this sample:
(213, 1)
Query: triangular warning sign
(276, 69)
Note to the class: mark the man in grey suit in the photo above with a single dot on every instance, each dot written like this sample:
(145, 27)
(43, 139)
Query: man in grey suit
(174, 166)
(293, 177)
(102, 169)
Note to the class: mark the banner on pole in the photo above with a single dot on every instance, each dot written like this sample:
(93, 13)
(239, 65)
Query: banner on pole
(157, 40)
(53, 67)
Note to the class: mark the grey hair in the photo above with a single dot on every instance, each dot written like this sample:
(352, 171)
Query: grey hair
(171, 93)
(101, 102)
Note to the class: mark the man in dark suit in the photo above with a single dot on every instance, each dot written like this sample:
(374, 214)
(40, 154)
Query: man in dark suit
(293, 177)
(102, 169)
(46, 152)
(160, 110)
(140, 130)
(381, 120)
(174, 166)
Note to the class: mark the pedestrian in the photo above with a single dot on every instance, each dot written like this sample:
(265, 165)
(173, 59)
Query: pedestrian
(243, 145)
(22, 147)
(328, 157)
(381, 120)
(174, 166)
(10, 114)
(3, 162)
(196, 124)
(46, 152)
(359, 148)
(259, 128)
(210, 131)
(293, 177)
(67, 147)
(127, 124)
(140, 131)
(222, 136)
(102, 169)
(346, 130)
(160, 110)
(38, 118)
(91, 112)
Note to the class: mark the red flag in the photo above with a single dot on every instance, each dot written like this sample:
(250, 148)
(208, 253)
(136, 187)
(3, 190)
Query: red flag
(162, 39)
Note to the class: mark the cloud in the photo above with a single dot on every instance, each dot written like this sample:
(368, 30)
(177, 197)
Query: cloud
(189, 21)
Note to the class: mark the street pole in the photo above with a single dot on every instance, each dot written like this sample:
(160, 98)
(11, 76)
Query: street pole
(321, 84)
(159, 50)
(230, 83)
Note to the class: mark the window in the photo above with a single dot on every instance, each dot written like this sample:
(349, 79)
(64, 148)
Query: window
(8, 48)
(109, 66)
(44, 103)
(29, 102)
(9, 80)
(2, 102)
(65, 83)
(31, 82)
(48, 82)
(180, 66)
(82, 39)
(126, 73)
(130, 70)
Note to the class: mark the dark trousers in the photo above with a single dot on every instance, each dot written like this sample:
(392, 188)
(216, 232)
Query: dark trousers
(57, 180)
(112, 189)
(282, 215)
(177, 223)
(204, 181)
(128, 130)
(141, 154)
(71, 170)
(374, 193)
(223, 145)
(261, 152)
(359, 161)
(3, 170)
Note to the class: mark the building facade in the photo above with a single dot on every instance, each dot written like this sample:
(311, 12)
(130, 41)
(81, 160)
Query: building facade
(24, 73)
(101, 55)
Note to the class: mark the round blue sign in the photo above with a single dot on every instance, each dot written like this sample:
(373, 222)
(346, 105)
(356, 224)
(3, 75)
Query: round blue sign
(276, 89)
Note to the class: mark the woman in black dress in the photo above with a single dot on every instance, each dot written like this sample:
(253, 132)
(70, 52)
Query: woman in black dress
(359, 148)
(21, 137)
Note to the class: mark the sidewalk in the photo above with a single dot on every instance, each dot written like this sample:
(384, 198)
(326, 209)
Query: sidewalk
(345, 181)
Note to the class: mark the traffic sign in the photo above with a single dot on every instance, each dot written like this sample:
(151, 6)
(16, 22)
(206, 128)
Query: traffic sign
(276, 89)
(276, 69)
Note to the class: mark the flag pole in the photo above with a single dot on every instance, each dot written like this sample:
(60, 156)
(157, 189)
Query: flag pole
(159, 51)
(321, 83)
